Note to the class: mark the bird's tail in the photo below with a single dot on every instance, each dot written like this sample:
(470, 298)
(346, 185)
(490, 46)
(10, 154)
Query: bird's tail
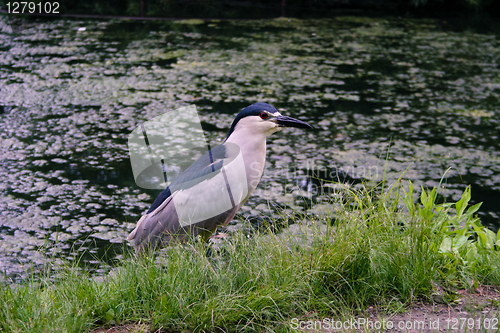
(132, 235)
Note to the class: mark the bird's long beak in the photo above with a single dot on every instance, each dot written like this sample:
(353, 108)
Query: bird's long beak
(285, 121)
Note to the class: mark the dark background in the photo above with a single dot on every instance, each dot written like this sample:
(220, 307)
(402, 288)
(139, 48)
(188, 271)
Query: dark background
(482, 9)
(295, 8)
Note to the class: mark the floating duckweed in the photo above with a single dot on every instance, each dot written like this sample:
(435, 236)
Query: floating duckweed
(190, 22)
(385, 95)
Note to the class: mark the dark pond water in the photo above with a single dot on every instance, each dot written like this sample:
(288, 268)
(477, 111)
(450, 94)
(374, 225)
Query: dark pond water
(384, 94)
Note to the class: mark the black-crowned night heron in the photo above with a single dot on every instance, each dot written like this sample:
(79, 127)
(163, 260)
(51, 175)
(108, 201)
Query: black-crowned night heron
(210, 192)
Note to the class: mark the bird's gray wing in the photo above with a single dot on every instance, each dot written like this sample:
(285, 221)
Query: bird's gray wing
(205, 167)
(204, 196)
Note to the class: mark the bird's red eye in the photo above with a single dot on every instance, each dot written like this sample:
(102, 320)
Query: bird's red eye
(264, 115)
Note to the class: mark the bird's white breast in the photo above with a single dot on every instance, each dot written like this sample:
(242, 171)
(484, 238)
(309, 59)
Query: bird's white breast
(253, 147)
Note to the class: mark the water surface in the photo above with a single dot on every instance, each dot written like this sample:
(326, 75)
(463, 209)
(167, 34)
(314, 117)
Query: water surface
(385, 95)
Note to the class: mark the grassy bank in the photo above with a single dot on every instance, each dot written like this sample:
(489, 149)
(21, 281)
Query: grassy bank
(368, 249)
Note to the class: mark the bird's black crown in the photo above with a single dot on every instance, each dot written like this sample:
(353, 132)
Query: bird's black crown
(252, 110)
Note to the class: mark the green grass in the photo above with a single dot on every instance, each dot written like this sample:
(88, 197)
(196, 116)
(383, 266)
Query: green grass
(382, 249)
